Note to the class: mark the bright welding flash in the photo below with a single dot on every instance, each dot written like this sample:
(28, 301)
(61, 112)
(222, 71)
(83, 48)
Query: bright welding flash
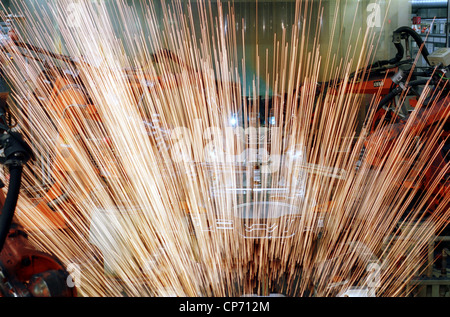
(233, 121)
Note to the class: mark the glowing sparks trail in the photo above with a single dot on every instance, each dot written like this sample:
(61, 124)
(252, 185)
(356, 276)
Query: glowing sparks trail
(142, 182)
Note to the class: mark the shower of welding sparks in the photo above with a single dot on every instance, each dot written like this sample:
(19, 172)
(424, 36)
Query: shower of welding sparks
(149, 183)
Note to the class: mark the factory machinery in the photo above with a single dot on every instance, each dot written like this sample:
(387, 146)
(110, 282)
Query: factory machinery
(25, 271)
(403, 78)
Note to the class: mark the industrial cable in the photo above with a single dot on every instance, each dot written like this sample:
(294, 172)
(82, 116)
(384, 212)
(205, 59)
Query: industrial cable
(394, 92)
(417, 38)
(9, 207)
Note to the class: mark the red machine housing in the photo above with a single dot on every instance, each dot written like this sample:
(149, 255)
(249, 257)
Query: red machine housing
(27, 272)
(419, 125)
